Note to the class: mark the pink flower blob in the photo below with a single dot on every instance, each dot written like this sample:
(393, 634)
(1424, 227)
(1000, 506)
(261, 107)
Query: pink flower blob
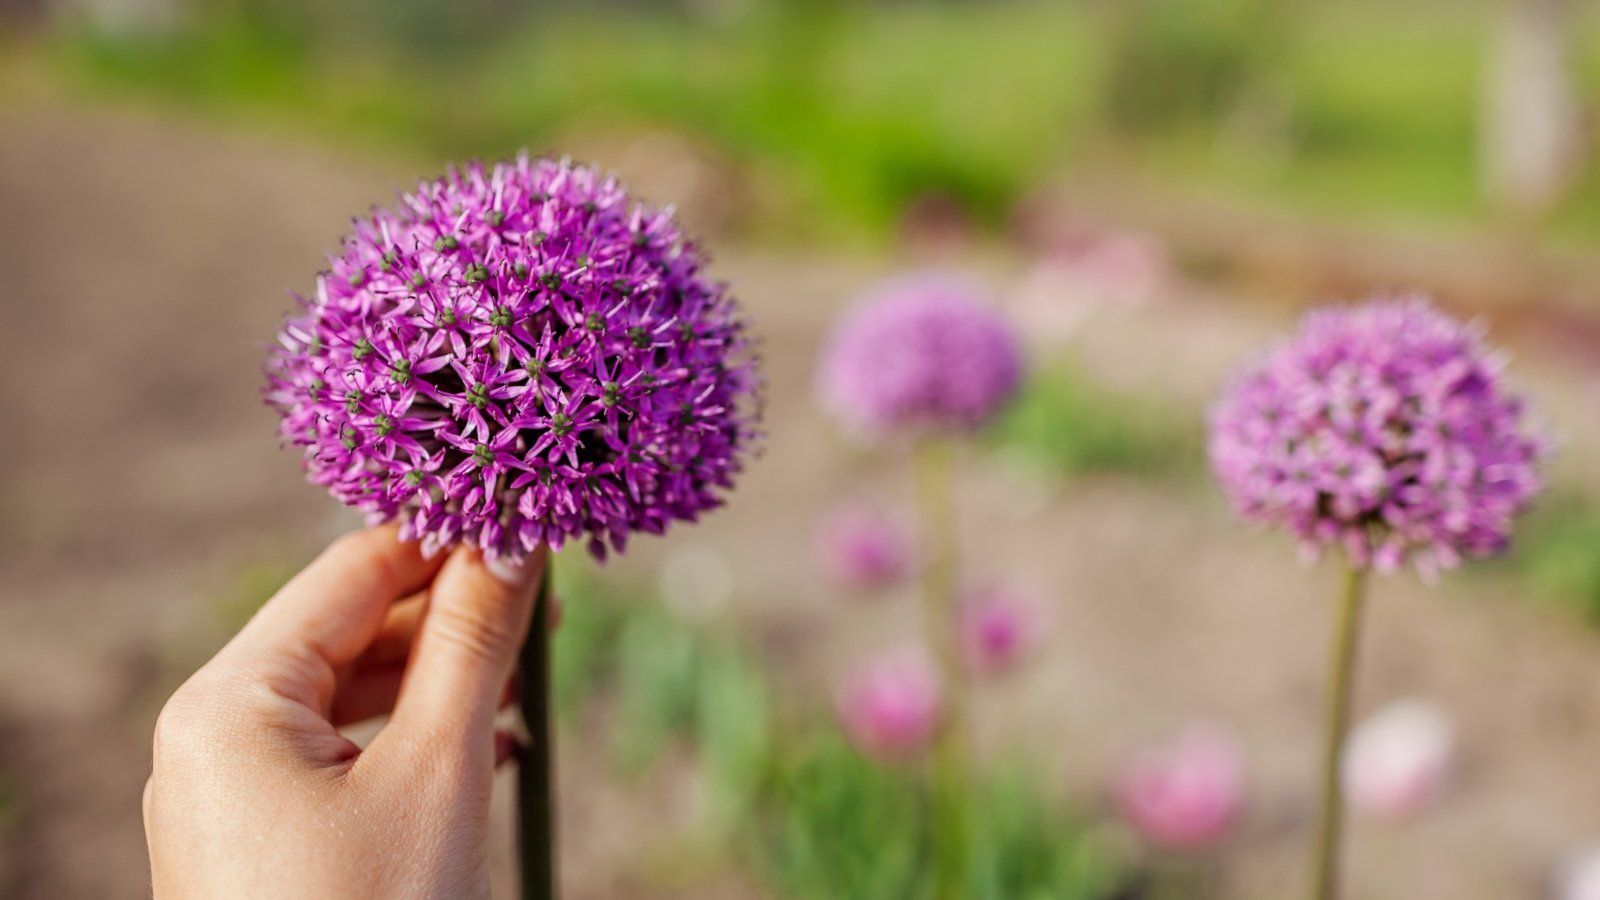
(890, 707)
(1185, 796)
(862, 548)
(1397, 761)
(999, 624)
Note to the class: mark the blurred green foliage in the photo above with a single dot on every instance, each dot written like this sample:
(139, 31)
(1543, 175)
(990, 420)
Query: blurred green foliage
(584, 644)
(807, 812)
(842, 114)
(836, 824)
(840, 825)
(1067, 423)
(1036, 851)
(1558, 550)
(1223, 51)
(833, 105)
(668, 683)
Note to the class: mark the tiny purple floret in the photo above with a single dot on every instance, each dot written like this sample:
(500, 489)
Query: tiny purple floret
(1385, 429)
(518, 355)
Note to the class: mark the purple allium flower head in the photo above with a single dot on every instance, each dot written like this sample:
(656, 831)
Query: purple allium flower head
(924, 352)
(516, 355)
(862, 548)
(1384, 428)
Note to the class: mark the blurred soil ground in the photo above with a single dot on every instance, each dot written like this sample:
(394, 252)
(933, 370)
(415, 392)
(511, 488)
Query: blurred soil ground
(144, 261)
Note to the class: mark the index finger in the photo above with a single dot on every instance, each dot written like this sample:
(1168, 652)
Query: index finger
(334, 608)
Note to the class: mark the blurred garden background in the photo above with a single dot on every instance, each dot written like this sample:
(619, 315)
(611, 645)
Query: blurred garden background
(1150, 188)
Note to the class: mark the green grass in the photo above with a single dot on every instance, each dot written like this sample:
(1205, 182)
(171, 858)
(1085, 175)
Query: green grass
(843, 114)
(1066, 423)
(834, 107)
(786, 799)
(834, 824)
(1558, 552)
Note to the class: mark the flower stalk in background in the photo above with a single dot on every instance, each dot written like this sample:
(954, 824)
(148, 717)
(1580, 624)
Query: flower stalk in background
(516, 355)
(1384, 431)
(927, 359)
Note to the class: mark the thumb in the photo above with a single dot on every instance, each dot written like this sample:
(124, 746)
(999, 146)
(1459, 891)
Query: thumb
(478, 614)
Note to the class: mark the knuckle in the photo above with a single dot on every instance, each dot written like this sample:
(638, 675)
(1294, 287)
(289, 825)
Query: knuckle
(176, 724)
(192, 720)
(475, 632)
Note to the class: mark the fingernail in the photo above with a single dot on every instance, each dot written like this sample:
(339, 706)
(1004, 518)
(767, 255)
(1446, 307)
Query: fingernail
(510, 571)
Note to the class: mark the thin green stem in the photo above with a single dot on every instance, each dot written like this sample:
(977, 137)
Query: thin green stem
(1341, 678)
(952, 753)
(536, 827)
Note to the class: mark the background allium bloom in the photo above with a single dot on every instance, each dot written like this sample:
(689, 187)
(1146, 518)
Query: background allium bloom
(1186, 796)
(861, 548)
(1397, 761)
(516, 355)
(925, 352)
(1383, 428)
(999, 623)
(890, 707)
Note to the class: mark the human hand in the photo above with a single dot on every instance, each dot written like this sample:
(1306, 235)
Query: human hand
(255, 793)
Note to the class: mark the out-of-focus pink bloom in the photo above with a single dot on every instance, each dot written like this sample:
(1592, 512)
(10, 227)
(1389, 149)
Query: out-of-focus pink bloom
(1091, 272)
(863, 548)
(1185, 796)
(999, 623)
(1397, 760)
(1579, 877)
(890, 707)
(1123, 267)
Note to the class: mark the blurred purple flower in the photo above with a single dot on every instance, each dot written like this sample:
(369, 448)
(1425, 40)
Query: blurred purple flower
(999, 623)
(862, 548)
(518, 355)
(924, 352)
(890, 707)
(1397, 761)
(1385, 429)
(1186, 796)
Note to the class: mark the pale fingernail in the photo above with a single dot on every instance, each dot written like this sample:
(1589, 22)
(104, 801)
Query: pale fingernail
(510, 571)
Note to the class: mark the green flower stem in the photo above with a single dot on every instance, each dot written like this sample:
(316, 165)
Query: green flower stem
(1341, 676)
(536, 827)
(951, 773)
